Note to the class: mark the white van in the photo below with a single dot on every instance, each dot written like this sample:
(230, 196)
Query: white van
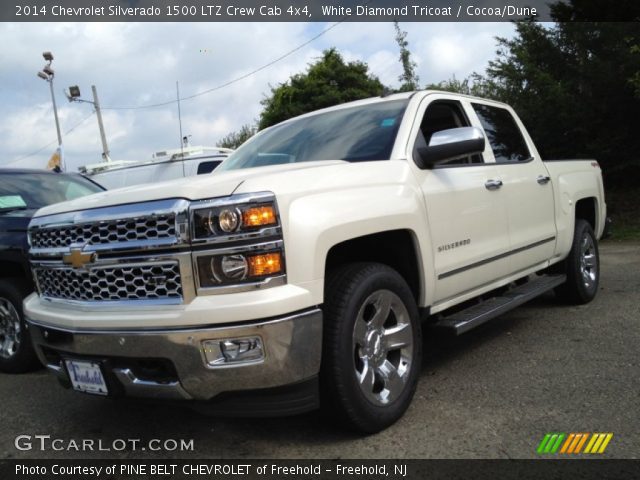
(163, 165)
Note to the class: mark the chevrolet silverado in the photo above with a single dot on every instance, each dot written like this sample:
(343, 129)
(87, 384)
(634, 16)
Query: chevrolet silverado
(302, 272)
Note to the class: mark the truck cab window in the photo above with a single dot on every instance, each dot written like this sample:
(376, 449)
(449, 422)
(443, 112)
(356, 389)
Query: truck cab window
(504, 135)
(362, 133)
(444, 115)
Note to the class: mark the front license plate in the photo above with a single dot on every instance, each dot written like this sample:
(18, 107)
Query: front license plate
(86, 377)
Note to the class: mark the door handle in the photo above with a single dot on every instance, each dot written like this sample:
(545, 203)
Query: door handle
(493, 184)
(543, 179)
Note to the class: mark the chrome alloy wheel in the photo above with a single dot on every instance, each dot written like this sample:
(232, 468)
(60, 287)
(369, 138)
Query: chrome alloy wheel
(9, 329)
(382, 347)
(588, 261)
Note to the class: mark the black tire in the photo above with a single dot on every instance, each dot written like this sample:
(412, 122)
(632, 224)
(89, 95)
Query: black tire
(379, 361)
(20, 357)
(582, 267)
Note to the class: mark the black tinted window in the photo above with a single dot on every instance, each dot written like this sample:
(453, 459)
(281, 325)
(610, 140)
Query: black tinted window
(504, 135)
(208, 167)
(36, 190)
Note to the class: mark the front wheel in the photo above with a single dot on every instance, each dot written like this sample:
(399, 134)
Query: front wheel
(582, 267)
(16, 352)
(372, 346)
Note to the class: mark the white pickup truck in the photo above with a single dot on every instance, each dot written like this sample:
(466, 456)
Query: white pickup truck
(303, 271)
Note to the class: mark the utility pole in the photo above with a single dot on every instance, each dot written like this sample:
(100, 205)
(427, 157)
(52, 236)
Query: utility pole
(74, 96)
(103, 137)
(47, 75)
(55, 111)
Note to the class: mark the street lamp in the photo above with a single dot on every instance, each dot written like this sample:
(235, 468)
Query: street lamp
(74, 96)
(47, 75)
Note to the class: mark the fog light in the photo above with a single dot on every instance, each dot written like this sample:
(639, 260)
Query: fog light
(233, 351)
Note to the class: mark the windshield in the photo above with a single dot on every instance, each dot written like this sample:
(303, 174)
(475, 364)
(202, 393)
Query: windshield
(36, 190)
(355, 134)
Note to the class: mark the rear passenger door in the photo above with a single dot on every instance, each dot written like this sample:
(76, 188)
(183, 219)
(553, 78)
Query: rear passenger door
(526, 187)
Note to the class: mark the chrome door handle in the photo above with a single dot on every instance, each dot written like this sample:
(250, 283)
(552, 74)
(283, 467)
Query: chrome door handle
(493, 184)
(543, 179)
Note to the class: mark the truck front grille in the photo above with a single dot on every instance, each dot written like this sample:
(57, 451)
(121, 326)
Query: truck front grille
(126, 282)
(104, 232)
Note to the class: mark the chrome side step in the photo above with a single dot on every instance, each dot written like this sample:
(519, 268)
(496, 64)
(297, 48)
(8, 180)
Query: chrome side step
(465, 320)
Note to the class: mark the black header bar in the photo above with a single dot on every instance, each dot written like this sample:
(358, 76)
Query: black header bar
(268, 469)
(273, 10)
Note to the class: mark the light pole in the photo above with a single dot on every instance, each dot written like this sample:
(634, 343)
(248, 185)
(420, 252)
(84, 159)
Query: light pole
(47, 75)
(74, 96)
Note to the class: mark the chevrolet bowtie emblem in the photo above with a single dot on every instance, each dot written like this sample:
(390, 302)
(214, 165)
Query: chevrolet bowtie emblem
(77, 258)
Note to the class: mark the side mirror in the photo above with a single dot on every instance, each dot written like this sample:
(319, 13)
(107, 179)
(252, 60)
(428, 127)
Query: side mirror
(449, 144)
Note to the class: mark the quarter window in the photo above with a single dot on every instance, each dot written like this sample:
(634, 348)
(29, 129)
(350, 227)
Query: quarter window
(504, 135)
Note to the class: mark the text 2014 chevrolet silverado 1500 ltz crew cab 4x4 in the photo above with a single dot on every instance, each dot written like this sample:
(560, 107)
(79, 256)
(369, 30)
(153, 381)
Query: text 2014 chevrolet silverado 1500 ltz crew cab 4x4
(299, 272)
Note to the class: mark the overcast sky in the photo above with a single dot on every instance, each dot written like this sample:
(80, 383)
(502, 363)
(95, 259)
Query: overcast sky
(139, 64)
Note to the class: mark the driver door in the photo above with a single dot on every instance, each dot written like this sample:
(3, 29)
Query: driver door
(466, 217)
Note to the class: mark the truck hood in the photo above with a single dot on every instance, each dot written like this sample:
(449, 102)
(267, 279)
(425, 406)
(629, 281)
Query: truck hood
(216, 184)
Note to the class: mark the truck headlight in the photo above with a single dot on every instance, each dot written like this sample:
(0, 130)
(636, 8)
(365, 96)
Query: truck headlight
(220, 270)
(228, 220)
(237, 243)
(235, 219)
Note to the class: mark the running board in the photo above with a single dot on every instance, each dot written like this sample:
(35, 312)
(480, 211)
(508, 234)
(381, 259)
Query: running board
(471, 317)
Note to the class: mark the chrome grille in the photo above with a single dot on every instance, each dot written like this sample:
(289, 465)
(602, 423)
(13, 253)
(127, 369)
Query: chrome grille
(109, 231)
(126, 282)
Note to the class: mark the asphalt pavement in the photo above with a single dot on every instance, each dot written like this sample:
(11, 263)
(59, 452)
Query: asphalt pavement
(492, 393)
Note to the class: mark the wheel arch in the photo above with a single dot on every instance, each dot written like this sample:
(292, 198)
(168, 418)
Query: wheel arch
(398, 249)
(586, 209)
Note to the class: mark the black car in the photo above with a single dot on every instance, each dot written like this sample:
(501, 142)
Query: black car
(22, 192)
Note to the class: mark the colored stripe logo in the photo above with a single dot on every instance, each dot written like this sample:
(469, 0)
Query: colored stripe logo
(573, 443)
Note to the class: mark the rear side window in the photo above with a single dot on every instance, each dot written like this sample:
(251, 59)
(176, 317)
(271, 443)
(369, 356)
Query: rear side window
(208, 167)
(504, 135)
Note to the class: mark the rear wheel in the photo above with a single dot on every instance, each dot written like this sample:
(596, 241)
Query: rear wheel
(372, 346)
(16, 352)
(582, 267)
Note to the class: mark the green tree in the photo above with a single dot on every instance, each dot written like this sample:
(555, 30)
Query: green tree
(235, 139)
(409, 78)
(575, 86)
(475, 85)
(327, 82)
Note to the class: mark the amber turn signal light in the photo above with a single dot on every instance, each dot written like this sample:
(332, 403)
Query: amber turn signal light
(266, 264)
(258, 216)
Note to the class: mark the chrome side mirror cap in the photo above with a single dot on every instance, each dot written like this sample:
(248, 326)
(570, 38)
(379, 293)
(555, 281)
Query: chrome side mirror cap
(450, 144)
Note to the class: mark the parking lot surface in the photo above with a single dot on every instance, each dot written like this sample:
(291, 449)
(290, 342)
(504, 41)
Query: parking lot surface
(492, 393)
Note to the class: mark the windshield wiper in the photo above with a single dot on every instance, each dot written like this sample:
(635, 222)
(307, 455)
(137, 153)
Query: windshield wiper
(12, 209)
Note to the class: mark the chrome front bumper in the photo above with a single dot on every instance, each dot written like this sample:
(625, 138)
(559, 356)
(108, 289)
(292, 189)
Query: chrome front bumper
(170, 364)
